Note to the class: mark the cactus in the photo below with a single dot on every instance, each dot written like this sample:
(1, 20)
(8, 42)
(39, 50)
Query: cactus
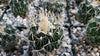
(19, 7)
(85, 13)
(46, 38)
(8, 39)
(93, 32)
(88, 11)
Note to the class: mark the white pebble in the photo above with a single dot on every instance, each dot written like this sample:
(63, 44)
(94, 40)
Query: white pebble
(9, 21)
(76, 23)
(24, 47)
(78, 55)
(89, 49)
(25, 53)
(68, 41)
(63, 14)
(97, 54)
(64, 44)
(74, 11)
(74, 30)
(36, 2)
(78, 28)
(67, 33)
(5, 17)
(95, 49)
(83, 54)
(98, 17)
(50, 33)
(93, 54)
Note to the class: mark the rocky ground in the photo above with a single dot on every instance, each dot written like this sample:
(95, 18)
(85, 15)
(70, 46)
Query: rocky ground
(81, 46)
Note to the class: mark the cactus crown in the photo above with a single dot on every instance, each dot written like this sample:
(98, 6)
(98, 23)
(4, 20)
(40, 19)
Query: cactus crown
(19, 7)
(8, 39)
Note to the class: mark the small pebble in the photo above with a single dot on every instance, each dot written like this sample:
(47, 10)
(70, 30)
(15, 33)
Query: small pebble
(97, 54)
(93, 54)
(79, 28)
(68, 41)
(76, 23)
(83, 54)
(95, 49)
(9, 21)
(64, 44)
(74, 30)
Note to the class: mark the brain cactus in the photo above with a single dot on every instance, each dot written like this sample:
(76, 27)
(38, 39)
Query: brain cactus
(8, 39)
(19, 7)
(93, 32)
(85, 13)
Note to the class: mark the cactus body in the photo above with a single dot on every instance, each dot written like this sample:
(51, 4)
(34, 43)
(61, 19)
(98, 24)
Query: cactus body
(93, 32)
(8, 40)
(46, 36)
(19, 7)
(45, 42)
